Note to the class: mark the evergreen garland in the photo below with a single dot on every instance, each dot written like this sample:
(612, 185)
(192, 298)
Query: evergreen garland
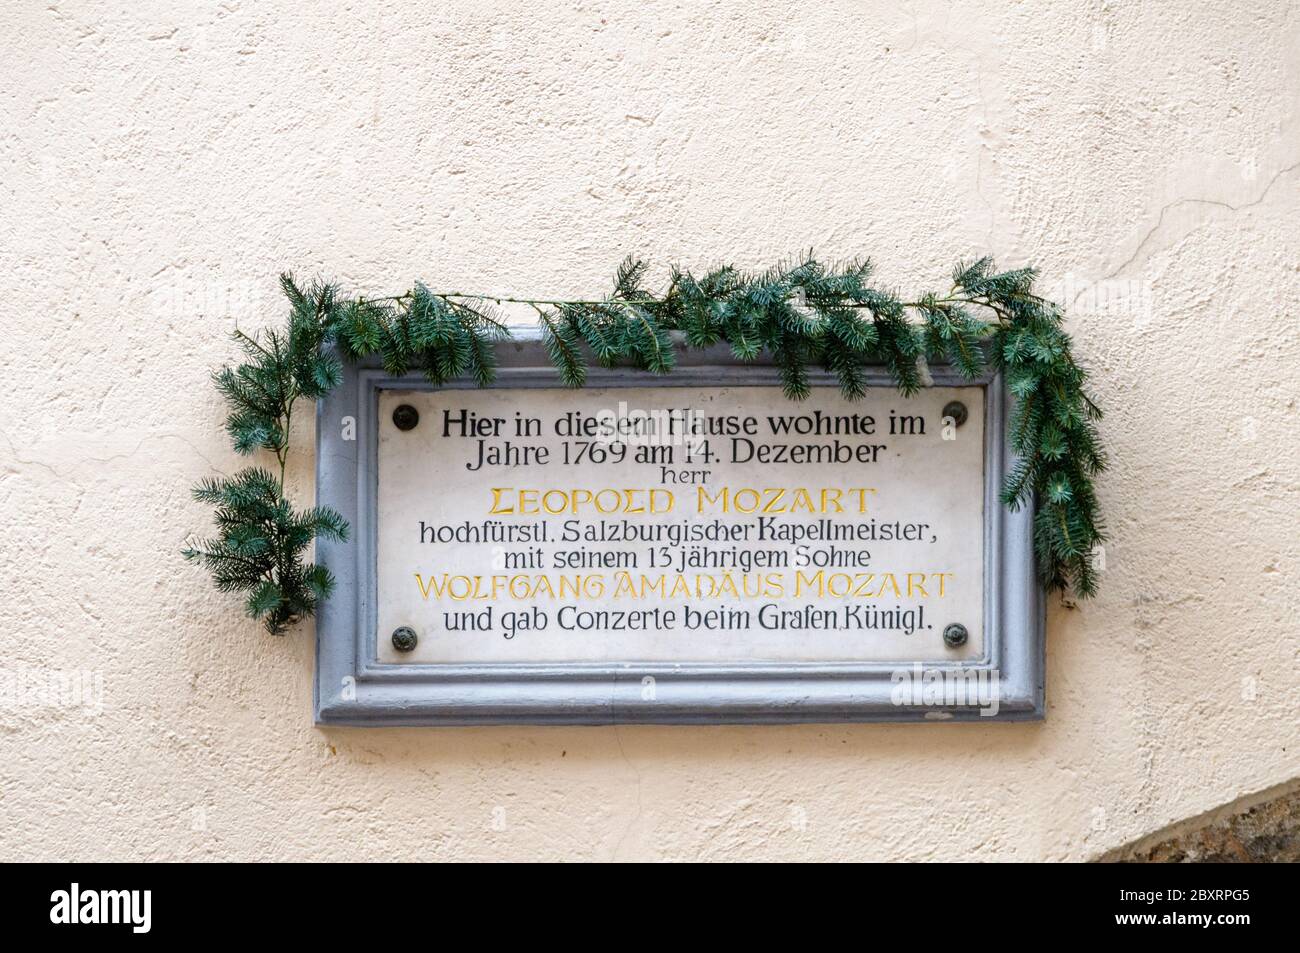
(804, 314)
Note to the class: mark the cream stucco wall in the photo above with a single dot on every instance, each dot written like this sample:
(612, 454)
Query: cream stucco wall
(162, 162)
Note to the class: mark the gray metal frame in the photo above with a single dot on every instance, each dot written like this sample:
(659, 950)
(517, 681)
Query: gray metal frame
(353, 688)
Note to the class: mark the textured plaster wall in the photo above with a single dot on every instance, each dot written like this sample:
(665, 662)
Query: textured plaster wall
(162, 162)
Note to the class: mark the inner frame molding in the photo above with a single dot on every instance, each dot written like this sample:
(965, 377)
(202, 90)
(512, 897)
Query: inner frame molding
(353, 687)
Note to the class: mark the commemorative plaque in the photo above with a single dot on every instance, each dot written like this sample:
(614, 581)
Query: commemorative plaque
(687, 548)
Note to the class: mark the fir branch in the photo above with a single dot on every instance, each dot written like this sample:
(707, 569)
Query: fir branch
(803, 313)
(260, 547)
(262, 541)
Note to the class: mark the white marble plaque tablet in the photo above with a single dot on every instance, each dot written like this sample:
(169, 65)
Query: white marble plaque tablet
(711, 524)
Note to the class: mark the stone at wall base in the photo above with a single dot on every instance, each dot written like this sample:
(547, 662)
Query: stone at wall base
(1261, 828)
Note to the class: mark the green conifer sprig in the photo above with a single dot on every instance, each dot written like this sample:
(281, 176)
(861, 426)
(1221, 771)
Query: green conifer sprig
(259, 546)
(261, 540)
(803, 313)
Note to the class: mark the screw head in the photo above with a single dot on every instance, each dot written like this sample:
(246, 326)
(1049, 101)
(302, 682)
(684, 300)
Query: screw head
(404, 638)
(405, 417)
(956, 410)
(954, 635)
